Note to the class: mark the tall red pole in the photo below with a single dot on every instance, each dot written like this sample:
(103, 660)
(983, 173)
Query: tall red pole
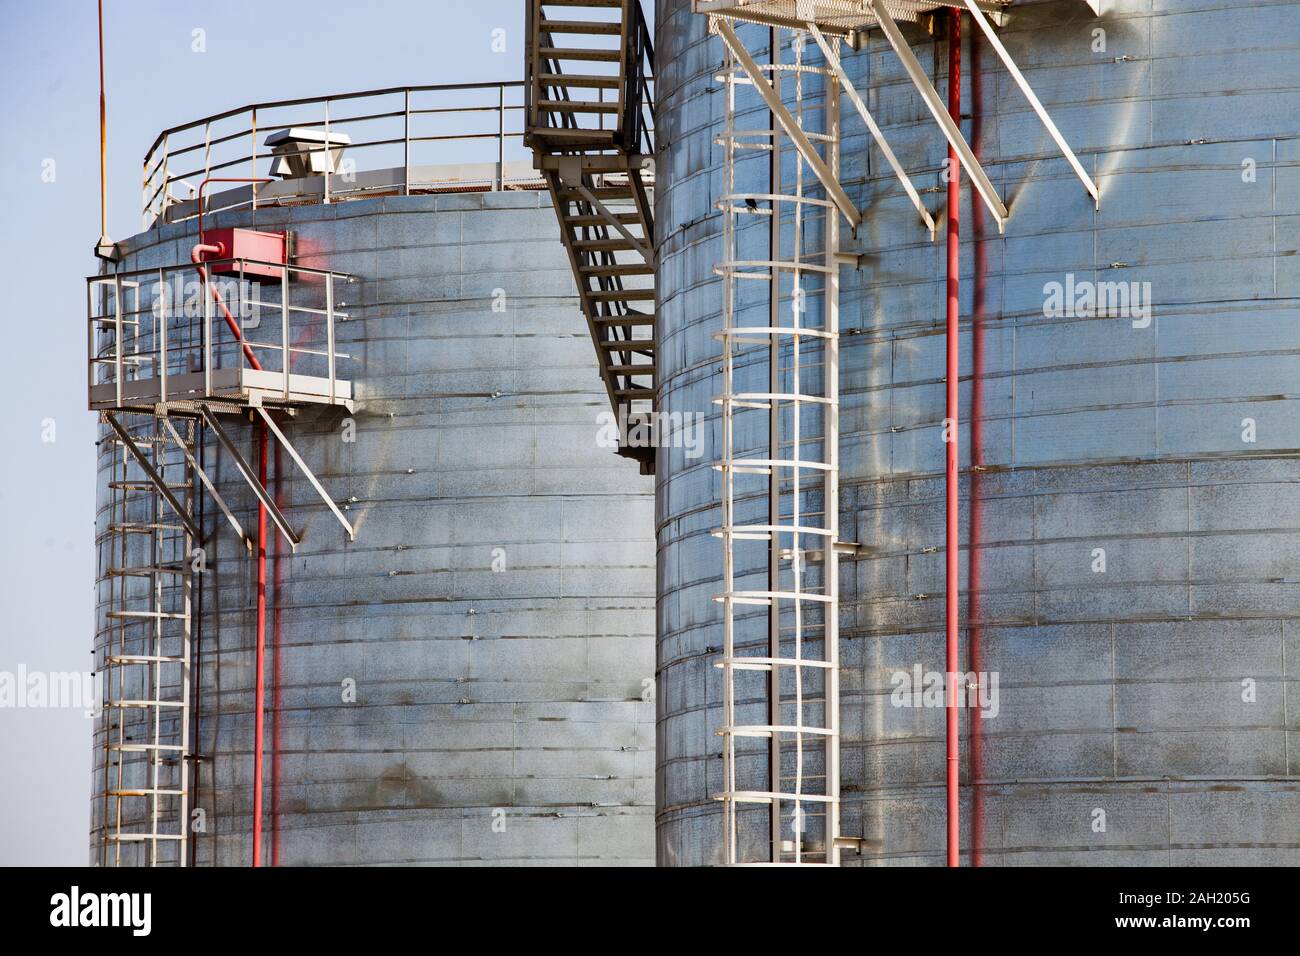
(260, 677)
(951, 423)
(277, 635)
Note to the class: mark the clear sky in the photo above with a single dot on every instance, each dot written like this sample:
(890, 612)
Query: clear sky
(256, 51)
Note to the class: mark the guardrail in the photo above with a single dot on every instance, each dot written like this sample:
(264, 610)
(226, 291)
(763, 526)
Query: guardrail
(402, 140)
(151, 337)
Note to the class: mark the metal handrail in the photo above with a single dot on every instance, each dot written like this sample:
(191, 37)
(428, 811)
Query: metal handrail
(639, 96)
(634, 129)
(128, 344)
(217, 151)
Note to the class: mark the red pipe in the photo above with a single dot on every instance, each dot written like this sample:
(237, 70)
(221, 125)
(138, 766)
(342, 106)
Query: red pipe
(952, 412)
(974, 559)
(276, 698)
(260, 676)
(202, 249)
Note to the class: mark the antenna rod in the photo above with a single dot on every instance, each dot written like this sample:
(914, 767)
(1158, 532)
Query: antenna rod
(104, 248)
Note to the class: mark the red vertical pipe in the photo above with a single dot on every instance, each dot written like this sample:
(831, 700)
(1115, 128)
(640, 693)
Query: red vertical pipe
(951, 503)
(260, 678)
(974, 633)
(276, 672)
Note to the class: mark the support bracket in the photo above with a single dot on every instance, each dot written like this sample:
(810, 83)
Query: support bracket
(792, 129)
(833, 61)
(250, 476)
(307, 472)
(939, 111)
(978, 15)
(207, 483)
(603, 211)
(156, 479)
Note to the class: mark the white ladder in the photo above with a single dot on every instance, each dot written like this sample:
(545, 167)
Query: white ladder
(780, 474)
(144, 652)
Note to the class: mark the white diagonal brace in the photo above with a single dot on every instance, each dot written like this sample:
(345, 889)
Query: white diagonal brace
(207, 483)
(940, 113)
(156, 479)
(1025, 88)
(302, 466)
(246, 472)
(833, 61)
(610, 218)
(788, 123)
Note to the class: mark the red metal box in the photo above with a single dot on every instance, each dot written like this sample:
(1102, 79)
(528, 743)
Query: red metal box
(248, 244)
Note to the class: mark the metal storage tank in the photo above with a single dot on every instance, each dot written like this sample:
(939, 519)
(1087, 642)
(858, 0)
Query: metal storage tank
(466, 681)
(1133, 521)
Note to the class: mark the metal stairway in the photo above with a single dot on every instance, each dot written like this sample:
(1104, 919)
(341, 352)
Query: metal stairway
(590, 103)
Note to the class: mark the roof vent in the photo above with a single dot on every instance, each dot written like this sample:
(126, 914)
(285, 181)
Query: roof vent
(299, 151)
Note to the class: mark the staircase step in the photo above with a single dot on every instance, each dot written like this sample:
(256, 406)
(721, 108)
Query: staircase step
(603, 245)
(646, 393)
(615, 191)
(580, 80)
(623, 295)
(583, 3)
(626, 218)
(619, 269)
(587, 27)
(631, 369)
(579, 53)
(632, 318)
(565, 136)
(578, 106)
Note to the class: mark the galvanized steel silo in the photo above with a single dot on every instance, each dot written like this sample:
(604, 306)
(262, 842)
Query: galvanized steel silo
(463, 683)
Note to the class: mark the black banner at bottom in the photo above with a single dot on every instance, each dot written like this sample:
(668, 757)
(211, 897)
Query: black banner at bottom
(582, 907)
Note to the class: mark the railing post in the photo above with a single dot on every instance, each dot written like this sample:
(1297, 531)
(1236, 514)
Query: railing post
(162, 337)
(242, 346)
(117, 351)
(532, 77)
(626, 71)
(501, 138)
(253, 160)
(329, 330)
(207, 151)
(92, 317)
(328, 155)
(406, 143)
(284, 325)
(166, 183)
(207, 335)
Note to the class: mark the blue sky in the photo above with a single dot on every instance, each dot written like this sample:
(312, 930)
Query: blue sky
(255, 52)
